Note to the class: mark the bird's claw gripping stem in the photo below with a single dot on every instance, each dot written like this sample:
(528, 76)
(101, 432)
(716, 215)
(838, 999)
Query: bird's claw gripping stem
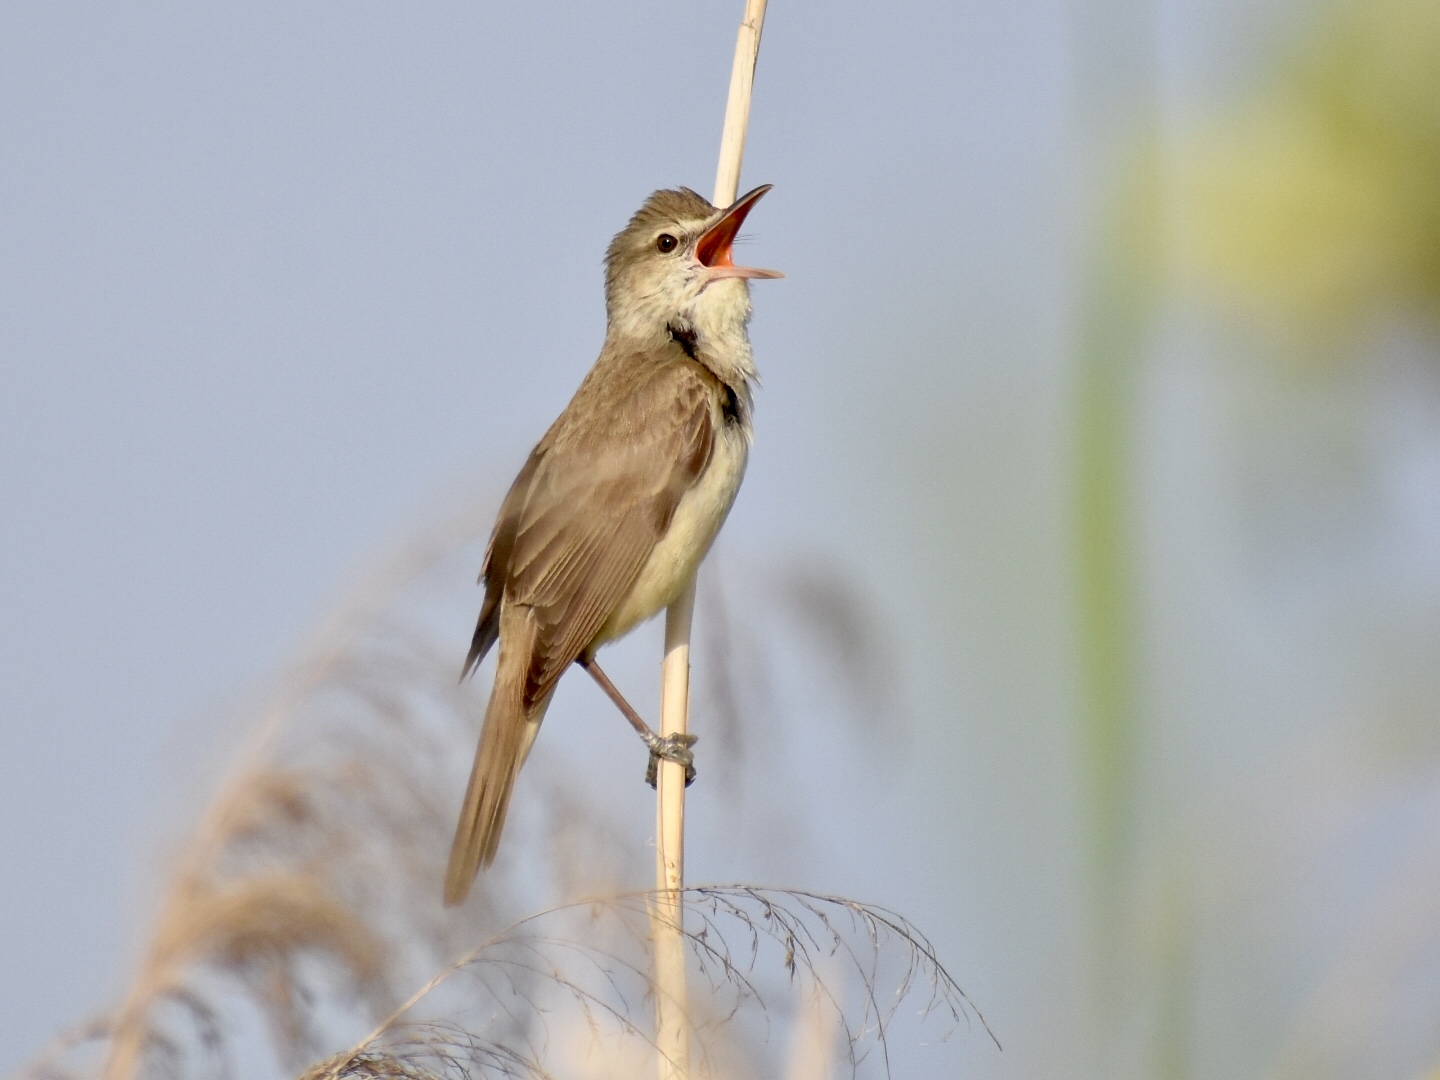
(676, 748)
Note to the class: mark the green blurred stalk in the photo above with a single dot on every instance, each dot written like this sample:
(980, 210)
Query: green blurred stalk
(1119, 313)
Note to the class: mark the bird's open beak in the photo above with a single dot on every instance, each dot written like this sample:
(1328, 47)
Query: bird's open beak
(713, 248)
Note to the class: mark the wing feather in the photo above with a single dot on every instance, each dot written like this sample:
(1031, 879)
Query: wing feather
(597, 505)
(496, 567)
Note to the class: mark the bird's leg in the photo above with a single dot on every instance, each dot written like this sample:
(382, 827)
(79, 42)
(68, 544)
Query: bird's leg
(674, 748)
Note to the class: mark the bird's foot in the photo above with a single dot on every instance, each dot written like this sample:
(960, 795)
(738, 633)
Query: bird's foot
(674, 748)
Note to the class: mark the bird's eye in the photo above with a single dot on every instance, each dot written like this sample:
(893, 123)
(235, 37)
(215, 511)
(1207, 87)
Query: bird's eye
(665, 243)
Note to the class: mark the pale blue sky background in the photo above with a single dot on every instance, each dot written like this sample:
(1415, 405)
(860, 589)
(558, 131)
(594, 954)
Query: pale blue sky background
(282, 281)
(279, 278)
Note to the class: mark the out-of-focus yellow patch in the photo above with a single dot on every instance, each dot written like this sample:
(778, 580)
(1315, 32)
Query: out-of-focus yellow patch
(1275, 212)
(1319, 200)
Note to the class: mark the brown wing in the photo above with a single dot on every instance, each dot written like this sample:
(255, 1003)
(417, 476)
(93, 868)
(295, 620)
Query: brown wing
(605, 485)
(497, 561)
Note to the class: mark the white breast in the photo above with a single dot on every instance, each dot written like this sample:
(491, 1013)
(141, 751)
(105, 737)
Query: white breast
(697, 519)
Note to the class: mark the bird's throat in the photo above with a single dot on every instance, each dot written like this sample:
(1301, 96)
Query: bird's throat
(718, 321)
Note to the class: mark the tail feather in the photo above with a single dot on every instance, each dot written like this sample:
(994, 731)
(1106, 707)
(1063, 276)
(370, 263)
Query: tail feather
(505, 739)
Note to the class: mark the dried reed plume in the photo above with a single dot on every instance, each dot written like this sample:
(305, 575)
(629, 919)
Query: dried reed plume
(305, 908)
(558, 993)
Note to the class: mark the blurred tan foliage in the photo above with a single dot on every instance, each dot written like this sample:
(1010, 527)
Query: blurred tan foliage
(305, 908)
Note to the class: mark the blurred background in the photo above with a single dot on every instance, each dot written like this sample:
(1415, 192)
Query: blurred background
(1083, 597)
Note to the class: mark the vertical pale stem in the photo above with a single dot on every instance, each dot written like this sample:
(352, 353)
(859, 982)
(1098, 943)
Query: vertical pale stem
(674, 719)
(737, 106)
(672, 1032)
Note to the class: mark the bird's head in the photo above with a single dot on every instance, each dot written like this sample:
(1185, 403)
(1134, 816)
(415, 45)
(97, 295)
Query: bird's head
(672, 268)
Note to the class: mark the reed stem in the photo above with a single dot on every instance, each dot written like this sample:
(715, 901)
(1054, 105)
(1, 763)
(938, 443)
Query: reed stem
(667, 920)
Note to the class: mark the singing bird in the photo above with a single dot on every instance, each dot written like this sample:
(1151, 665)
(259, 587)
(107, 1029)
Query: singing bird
(616, 506)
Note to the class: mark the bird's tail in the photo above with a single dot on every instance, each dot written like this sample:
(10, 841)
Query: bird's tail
(505, 739)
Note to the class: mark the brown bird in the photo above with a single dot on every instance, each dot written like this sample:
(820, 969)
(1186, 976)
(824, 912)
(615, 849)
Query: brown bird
(621, 499)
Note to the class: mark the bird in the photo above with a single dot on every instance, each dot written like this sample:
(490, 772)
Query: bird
(616, 506)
